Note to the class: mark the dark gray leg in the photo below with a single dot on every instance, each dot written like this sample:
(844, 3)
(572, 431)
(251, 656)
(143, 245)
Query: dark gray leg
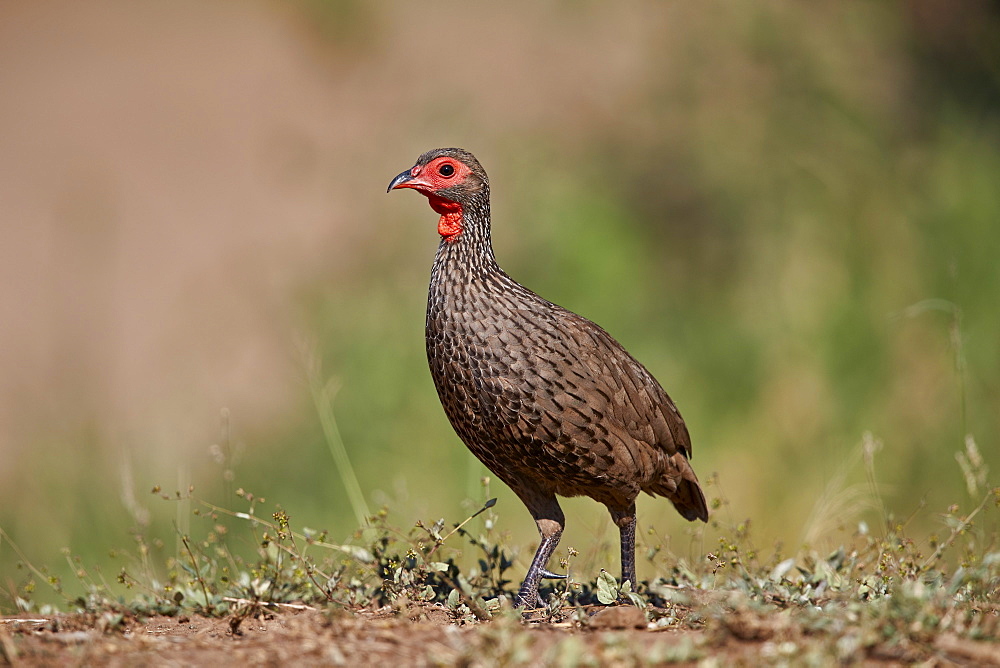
(625, 519)
(527, 595)
(550, 520)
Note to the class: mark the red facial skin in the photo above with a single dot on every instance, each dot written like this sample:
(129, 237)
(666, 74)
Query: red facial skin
(427, 180)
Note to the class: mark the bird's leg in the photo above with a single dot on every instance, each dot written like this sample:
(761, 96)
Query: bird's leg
(625, 519)
(550, 520)
(527, 595)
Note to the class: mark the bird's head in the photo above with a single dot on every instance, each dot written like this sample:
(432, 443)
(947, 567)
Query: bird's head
(451, 179)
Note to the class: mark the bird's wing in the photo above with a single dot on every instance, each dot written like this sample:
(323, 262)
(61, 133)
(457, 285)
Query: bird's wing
(637, 401)
(652, 439)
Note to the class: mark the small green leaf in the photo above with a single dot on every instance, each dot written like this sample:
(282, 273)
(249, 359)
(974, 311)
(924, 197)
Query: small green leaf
(452, 599)
(637, 600)
(782, 569)
(607, 588)
(358, 552)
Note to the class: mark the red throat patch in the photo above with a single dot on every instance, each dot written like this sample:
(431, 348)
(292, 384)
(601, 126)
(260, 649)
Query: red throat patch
(450, 222)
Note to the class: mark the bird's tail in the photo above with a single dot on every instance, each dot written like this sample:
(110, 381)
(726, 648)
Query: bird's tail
(680, 484)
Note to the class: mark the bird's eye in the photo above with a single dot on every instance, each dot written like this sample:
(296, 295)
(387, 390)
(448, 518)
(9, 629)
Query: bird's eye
(447, 169)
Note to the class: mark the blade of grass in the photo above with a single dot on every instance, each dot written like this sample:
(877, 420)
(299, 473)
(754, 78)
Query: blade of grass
(322, 395)
(489, 504)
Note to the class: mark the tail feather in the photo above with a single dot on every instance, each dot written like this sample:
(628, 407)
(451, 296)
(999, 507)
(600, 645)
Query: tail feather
(680, 484)
(690, 501)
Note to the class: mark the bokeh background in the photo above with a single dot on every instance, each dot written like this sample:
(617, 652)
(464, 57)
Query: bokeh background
(790, 212)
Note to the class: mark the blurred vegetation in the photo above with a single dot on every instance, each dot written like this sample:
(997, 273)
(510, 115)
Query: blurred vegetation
(792, 217)
(874, 597)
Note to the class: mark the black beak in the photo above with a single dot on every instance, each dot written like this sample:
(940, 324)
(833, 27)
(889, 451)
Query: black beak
(403, 177)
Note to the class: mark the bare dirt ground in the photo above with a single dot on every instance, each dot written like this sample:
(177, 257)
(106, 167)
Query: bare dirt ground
(430, 635)
(426, 637)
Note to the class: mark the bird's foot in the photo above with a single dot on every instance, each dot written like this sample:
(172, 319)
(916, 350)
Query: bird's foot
(527, 597)
(624, 597)
(528, 601)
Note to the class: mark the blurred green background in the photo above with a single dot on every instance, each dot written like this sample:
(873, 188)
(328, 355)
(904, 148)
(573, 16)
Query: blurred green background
(789, 212)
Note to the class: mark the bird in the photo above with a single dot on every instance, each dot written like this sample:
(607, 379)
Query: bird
(546, 399)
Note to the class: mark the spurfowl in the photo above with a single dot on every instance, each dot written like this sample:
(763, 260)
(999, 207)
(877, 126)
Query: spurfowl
(546, 399)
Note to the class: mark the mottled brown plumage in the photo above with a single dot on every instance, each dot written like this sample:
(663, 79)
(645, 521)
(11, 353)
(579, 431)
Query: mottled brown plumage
(546, 399)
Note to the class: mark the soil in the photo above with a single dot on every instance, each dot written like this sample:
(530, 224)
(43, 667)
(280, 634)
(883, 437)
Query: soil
(431, 635)
(422, 637)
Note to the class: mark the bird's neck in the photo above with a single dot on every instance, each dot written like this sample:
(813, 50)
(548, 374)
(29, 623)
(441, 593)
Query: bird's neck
(468, 252)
